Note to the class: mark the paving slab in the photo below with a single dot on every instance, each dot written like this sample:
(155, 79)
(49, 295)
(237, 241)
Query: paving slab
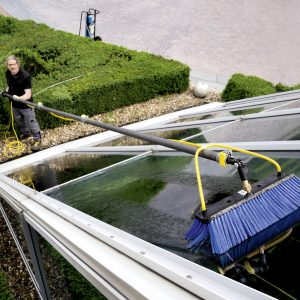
(214, 37)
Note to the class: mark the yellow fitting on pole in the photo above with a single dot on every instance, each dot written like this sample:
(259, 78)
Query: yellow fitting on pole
(247, 152)
(222, 159)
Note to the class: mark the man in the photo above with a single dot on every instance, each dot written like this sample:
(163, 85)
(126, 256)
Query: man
(19, 85)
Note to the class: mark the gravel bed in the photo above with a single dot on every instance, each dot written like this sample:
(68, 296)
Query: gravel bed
(119, 117)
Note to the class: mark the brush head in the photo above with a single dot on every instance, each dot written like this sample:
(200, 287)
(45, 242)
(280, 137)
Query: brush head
(241, 224)
(236, 199)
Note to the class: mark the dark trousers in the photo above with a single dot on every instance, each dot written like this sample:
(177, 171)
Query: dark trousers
(26, 120)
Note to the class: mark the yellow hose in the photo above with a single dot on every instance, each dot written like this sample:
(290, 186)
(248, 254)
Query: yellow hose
(24, 180)
(197, 167)
(222, 162)
(247, 152)
(59, 117)
(13, 146)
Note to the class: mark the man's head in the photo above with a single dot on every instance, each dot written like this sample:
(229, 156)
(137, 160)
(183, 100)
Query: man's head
(13, 64)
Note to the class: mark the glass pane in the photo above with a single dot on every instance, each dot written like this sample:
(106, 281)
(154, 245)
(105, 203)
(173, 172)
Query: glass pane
(123, 141)
(269, 129)
(291, 105)
(154, 198)
(61, 169)
(178, 134)
(241, 111)
(222, 113)
(262, 129)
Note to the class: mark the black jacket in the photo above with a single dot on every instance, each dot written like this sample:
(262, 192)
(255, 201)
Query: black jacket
(17, 84)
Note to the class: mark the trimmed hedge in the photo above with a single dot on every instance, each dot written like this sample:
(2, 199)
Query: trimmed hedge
(104, 76)
(242, 86)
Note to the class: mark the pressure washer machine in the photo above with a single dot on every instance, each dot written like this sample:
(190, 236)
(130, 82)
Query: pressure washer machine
(89, 17)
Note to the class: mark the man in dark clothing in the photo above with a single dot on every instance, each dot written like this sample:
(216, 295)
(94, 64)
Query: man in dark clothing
(19, 85)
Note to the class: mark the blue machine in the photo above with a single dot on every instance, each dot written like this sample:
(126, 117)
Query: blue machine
(90, 23)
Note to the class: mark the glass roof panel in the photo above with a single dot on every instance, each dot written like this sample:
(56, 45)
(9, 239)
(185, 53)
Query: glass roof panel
(290, 105)
(154, 198)
(61, 169)
(167, 134)
(278, 128)
(225, 112)
(274, 129)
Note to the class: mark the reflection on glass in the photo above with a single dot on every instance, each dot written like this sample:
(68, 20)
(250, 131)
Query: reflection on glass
(279, 129)
(240, 111)
(50, 173)
(247, 111)
(154, 198)
(227, 113)
(168, 134)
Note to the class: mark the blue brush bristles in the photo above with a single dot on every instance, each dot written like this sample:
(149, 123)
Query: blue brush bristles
(242, 228)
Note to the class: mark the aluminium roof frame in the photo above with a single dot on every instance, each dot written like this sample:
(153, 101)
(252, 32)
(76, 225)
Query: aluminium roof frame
(58, 223)
(120, 265)
(286, 113)
(251, 102)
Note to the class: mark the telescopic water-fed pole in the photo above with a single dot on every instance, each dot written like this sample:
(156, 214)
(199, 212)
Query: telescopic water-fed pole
(209, 154)
(222, 158)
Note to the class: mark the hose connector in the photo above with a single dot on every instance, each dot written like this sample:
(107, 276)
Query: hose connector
(247, 186)
(240, 168)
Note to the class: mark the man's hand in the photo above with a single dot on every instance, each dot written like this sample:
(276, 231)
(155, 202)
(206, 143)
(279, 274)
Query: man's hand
(15, 97)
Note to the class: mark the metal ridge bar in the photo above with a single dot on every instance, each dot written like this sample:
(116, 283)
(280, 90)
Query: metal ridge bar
(259, 145)
(191, 124)
(244, 104)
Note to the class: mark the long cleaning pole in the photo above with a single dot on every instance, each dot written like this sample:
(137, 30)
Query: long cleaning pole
(209, 154)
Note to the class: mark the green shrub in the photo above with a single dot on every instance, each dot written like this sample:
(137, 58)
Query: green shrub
(241, 86)
(5, 111)
(295, 87)
(77, 285)
(87, 77)
(282, 88)
(7, 25)
(32, 61)
(5, 293)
